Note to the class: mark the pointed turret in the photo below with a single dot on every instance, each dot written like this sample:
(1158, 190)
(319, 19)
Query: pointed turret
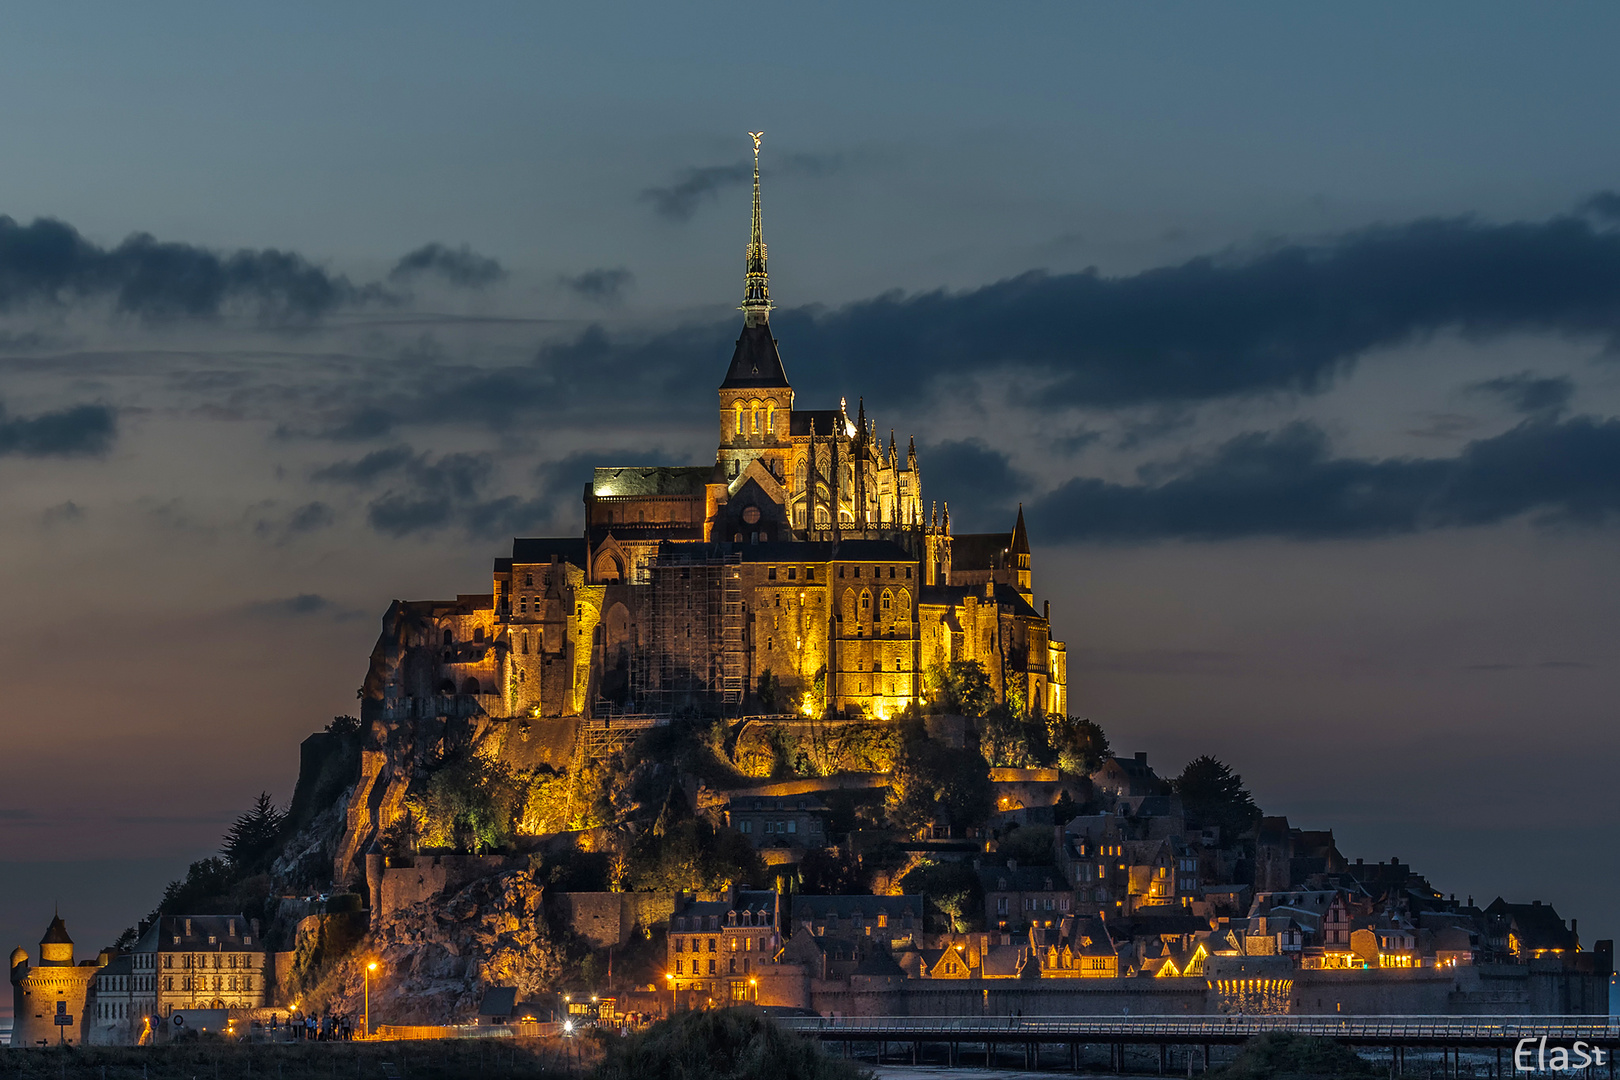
(1019, 552)
(1020, 538)
(911, 455)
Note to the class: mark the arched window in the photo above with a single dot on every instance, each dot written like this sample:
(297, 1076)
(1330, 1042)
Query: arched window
(740, 414)
(770, 416)
(866, 601)
(470, 686)
(801, 473)
(849, 605)
(822, 517)
(888, 599)
(449, 637)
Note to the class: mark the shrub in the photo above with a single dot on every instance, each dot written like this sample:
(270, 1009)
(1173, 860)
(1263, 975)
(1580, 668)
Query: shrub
(722, 1044)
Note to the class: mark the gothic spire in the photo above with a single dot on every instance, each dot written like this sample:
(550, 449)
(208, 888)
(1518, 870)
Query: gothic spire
(756, 303)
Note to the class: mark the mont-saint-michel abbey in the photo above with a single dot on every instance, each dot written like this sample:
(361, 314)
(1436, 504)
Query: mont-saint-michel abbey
(805, 559)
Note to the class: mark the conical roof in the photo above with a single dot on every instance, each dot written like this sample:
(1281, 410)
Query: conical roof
(56, 933)
(1020, 538)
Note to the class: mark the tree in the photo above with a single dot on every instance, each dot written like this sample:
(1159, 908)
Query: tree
(769, 690)
(952, 890)
(1213, 794)
(932, 780)
(1064, 810)
(470, 803)
(961, 687)
(1080, 745)
(252, 837)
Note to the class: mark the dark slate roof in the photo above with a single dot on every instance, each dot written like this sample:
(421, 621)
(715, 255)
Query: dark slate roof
(794, 551)
(978, 551)
(811, 908)
(1011, 597)
(56, 933)
(1022, 879)
(756, 361)
(498, 1001)
(540, 549)
(758, 901)
(1537, 925)
(684, 480)
(814, 422)
(203, 927)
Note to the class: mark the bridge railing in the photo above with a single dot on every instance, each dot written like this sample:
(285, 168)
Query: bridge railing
(1193, 1029)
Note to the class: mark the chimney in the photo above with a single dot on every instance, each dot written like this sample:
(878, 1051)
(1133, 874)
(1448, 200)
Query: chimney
(1141, 757)
(1535, 903)
(1046, 610)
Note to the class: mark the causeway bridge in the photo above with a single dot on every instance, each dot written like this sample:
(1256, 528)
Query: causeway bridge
(1463, 1045)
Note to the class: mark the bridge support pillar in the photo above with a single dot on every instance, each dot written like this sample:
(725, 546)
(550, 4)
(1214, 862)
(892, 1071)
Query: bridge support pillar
(916, 1053)
(1161, 1058)
(989, 1055)
(1206, 1057)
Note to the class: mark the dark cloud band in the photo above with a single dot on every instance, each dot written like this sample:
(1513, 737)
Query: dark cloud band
(1288, 484)
(81, 431)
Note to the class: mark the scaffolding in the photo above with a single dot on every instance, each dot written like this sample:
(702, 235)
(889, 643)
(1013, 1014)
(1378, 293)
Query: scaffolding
(694, 653)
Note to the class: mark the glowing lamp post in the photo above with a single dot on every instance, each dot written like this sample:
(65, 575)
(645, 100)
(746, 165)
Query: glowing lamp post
(671, 979)
(367, 980)
(753, 985)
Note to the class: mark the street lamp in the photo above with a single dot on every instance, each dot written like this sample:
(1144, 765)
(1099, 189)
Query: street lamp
(367, 980)
(671, 979)
(753, 985)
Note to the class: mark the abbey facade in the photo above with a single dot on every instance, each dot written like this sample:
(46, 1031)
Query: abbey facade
(801, 572)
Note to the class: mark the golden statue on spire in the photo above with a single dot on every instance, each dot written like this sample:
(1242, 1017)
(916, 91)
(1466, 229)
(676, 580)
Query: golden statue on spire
(756, 136)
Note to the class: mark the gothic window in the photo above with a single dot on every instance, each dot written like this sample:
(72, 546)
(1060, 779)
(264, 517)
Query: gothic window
(866, 601)
(478, 633)
(798, 516)
(449, 638)
(756, 421)
(849, 605)
(740, 415)
(888, 599)
(770, 417)
(801, 473)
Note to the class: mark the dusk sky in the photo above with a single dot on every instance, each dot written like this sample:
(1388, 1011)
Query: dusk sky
(1294, 330)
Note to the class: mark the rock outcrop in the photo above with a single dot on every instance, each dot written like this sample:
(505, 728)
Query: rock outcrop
(435, 959)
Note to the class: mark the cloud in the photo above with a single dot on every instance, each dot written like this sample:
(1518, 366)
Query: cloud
(603, 286)
(80, 431)
(309, 517)
(63, 513)
(978, 484)
(691, 188)
(49, 262)
(1605, 204)
(292, 606)
(1530, 393)
(1288, 484)
(462, 267)
(422, 494)
(1287, 319)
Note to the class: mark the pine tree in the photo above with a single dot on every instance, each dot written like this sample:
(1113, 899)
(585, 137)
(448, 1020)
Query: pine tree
(1214, 795)
(253, 836)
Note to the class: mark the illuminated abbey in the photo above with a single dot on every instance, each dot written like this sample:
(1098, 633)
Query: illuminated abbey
(801, 572)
